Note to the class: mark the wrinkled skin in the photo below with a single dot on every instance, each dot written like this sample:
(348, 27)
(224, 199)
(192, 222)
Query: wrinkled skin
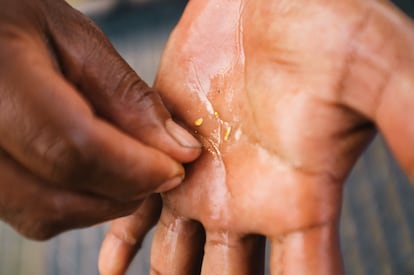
(82, 138)
(303, 86)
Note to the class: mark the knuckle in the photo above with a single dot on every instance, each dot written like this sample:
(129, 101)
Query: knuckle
(127, 237)
(79, 160)
(131, 95)
(131, 90)
(68, 157)
(13, 46)
(222, 239)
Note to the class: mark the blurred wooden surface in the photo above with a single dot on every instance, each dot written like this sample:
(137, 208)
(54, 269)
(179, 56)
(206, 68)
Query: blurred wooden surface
(377, 225)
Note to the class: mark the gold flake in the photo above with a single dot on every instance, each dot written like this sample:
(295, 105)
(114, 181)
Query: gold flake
(198, 122)
(227, 133)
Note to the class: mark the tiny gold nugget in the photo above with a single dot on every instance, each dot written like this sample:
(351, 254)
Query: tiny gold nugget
(198, 122)
(227, 133)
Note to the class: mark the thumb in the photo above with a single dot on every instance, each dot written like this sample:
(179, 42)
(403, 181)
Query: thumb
(380, 82)
(115, 91)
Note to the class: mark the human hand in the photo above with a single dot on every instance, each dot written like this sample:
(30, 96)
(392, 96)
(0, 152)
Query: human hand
(290, 93)
(82, 138)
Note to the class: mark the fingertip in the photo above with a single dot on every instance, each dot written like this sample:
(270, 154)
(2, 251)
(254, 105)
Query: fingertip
(114, 256)
(174, 140)
(182, 136)
(138, 168)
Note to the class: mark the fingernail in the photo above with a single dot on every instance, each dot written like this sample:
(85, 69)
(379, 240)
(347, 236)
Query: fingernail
(183, 137)
(169, 184)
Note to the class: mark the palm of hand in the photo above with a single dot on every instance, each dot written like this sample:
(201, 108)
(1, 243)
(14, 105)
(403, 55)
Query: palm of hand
(279, 138)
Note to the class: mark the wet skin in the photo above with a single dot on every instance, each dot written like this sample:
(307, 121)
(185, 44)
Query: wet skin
(290, 93)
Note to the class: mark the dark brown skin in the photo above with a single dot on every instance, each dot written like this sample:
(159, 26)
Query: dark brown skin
(304, 85)
(82, 138)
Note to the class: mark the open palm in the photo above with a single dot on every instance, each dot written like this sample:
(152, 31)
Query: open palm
(284, 95)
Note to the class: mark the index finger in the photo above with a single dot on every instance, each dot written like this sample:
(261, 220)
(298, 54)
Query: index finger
(50, 129)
